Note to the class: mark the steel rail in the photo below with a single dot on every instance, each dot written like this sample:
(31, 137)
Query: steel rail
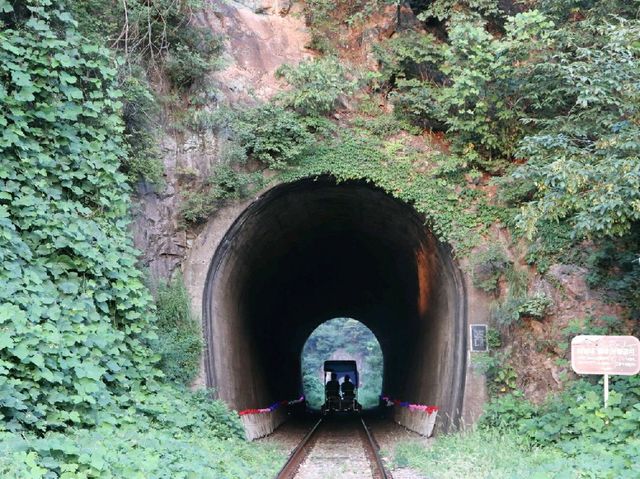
(298, 455)
(373, 449)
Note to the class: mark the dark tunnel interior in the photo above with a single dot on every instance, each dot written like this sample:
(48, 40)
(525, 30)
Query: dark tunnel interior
(312, 250)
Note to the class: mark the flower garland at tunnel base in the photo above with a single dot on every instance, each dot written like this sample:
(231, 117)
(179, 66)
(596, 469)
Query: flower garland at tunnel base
(413, 407)
(271, 408)
(416, 417)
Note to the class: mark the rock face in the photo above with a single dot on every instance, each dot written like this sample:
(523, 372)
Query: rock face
(535, 343)
(260, 36)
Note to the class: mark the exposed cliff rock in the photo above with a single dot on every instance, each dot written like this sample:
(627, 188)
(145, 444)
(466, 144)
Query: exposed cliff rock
(260, 36)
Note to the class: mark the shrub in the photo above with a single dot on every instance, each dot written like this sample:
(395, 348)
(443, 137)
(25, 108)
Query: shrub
(179, 334)
(488, 267)
(139, 107)
(272, 135)
(516, 307)
(225, 183)
(316, 85)
(410, 55)
(160, 35)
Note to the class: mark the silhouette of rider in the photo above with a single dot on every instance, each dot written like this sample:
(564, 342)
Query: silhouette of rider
(332, 387)
(347, 388)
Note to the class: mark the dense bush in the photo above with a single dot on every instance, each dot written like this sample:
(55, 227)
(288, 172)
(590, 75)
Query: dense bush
(161, 34)
(591, 439)
(272, 135)
(139, 107)
(584, 156)
(488, 267)
(74, 312)
(166, 433)
(316, 85)
(225, 183)
(149, 38)
(471, 88)
(516, 306)
(180, 341)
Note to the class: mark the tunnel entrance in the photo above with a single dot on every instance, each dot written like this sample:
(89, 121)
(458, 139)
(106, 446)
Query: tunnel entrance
(316, 249)
(342, 338)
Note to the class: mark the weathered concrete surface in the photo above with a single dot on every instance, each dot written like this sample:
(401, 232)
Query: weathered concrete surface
(262, 424)
(415, 420)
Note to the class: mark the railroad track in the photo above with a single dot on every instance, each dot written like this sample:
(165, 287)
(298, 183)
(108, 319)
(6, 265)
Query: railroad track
(336, 447)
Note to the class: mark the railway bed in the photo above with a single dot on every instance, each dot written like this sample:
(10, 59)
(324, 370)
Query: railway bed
(336, 447)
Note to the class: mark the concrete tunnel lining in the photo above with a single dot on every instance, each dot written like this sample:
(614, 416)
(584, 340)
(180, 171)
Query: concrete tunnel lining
(312, 250)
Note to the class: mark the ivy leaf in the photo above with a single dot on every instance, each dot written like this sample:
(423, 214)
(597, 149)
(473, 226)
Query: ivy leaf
(69, 287)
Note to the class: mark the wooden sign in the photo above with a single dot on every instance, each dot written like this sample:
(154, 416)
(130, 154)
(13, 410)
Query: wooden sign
(610, 355)
(479, 338)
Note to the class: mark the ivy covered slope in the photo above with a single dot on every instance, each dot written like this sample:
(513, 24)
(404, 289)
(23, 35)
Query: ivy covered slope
(75, 313)
(79, 384)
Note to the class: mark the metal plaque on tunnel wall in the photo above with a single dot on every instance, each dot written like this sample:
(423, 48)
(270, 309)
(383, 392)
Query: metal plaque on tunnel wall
(479, 338)
(605, 355)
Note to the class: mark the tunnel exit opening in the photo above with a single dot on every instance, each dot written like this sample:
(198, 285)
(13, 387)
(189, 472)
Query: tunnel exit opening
(316, 249)
(342, 339)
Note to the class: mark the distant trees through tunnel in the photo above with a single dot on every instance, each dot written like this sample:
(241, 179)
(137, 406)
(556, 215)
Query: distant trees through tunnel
(342, 338)
(315, 249)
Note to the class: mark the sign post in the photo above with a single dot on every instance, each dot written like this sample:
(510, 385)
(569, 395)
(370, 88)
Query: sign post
(605, 355)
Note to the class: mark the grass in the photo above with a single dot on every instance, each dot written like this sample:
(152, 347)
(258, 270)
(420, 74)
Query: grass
(478, 454)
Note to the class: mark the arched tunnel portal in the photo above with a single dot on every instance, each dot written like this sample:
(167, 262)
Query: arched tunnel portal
(312, 250)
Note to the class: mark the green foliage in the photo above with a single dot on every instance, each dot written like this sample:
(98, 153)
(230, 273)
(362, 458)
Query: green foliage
(272, 135)
(324, 18)
(410, 55)
(605, 325)
(446, 9)
(160, 34)
(317, 85)
(614, 266)
(488, 267)
(354, 341)
(139, 107)
(570, 436)
(478, 102)
(79, 390)
(515, 307)
(180, 341)
(494, 339)
(226, 183)
(592, 440)
(169, 434)
(384, 126)
(74, 313)
(501, 376)
(504, 411)
(185, 66)
(554, 243)
(268, 135)
(149, 37)
(584, 156)
(391, 166)
(107, 453)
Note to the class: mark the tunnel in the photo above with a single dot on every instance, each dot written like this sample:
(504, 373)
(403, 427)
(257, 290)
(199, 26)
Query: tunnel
(315, 249)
